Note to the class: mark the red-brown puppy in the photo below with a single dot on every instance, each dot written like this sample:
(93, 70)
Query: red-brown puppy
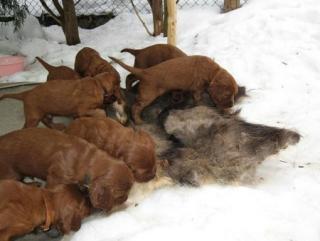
(89, 63)
(156, 54)
(58, 72)
(25, 207)
(150, 56)
(62, 159)
(191, 73)
(135, 148)
(81, 97)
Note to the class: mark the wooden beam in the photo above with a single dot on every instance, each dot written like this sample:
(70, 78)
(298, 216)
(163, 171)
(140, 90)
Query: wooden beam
(231, 5)
(172, 21)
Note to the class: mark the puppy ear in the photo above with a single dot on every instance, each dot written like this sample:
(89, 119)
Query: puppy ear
(213, 90)
(75, 222)
(218, 91)
(90, 70)
(70, 221)
(100, 196)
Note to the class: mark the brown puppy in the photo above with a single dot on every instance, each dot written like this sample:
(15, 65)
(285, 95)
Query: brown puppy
(25, 207)
(156, 54)
(58, 72)
(65, 98)
(150, 56)
(136, 148)
(63, 159)
(89, 63)
(192, 73)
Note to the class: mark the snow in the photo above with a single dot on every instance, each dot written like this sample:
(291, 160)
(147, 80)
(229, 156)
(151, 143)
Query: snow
(272, 47)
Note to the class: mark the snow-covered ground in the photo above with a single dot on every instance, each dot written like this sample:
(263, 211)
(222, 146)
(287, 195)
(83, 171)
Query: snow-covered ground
(272, 47)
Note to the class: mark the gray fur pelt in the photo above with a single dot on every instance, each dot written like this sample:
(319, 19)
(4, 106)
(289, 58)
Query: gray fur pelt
(202, 145)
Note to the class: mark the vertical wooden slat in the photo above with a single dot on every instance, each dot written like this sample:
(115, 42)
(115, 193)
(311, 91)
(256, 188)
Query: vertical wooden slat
(231, 5)
(165, 19)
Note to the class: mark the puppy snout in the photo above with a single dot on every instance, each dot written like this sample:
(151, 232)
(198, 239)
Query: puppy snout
(144, 176)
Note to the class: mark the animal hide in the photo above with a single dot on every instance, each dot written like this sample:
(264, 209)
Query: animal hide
(203, 145)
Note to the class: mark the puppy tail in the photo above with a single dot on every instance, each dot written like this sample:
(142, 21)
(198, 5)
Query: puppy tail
(17, 96)
(45, 64)
(135, 71)
(134, 52)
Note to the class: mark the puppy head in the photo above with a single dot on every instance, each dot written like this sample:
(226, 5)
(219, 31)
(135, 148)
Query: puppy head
(108, 81)
(120, 108)
(112, 188)
(90, 52)
(223, 89)
(94, 64)
(71, 206)
(141, 157)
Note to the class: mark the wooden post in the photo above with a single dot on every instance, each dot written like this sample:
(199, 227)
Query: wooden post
(165, 19)
(172, 21)
(230, 5)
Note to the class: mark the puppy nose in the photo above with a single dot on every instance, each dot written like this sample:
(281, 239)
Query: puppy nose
(145, 176)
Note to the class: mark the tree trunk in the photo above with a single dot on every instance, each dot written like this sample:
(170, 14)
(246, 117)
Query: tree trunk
(157, 13)
(70, 23)
(231, 5)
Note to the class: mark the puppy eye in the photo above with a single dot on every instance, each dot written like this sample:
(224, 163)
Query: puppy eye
(109, 98)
